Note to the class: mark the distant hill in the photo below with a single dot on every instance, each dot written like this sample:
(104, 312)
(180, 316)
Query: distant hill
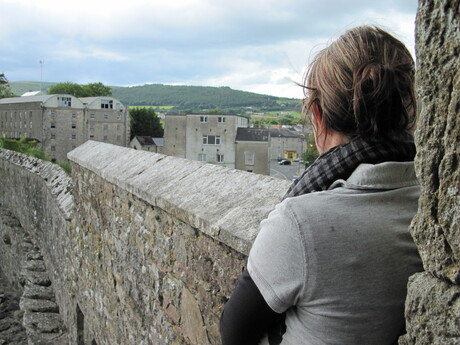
(179, 99)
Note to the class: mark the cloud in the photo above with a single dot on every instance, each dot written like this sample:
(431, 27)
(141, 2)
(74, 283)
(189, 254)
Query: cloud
(251, 45)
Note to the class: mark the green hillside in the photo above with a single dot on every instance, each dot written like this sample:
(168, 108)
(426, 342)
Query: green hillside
(20, 87)
(181, 99)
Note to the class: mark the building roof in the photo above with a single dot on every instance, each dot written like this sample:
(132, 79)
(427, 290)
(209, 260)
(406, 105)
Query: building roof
(31, 93)
(251, 134)
(145, 140)
(29, 99)
(284, 133)
(159, 141)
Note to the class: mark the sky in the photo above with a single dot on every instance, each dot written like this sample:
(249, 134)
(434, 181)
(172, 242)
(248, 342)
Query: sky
(261, 46)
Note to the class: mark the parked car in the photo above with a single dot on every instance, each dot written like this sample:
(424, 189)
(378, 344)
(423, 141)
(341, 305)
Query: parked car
(284, 162)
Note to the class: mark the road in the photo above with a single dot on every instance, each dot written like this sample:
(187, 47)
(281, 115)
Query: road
(286, 172)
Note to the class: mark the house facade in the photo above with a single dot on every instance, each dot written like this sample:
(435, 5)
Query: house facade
(286, 144)
(207, 138)
(147, 143)
(62, 122)
(252, 150)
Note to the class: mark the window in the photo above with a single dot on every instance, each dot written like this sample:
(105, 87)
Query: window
(30, 114)
(202, 157)
(53, 124)
(119, 116)
(203, 119)
(211, 140)
(220, 158)
(106, 104)
(248, 158)
(105, 137)
(221, 119)
(92, 116)
(53, 148)
(74, 116)
(30, 125)
(91, 136)
(91, 127)
(53, 136)
(106, 127)
(74, 136)
(106, 116)
(74, 125)
(53, 115)
(64, 101)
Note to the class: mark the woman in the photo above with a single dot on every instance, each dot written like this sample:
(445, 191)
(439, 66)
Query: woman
(331, 262)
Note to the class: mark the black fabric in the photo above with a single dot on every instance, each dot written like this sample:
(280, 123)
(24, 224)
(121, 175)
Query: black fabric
(247, 317)
(340, 161)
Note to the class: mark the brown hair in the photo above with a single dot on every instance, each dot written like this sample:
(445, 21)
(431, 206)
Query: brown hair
(363, 84)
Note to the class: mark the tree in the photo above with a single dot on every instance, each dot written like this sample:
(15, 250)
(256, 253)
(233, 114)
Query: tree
(96, 89)
(68, 88)
(311, 152)
(5, 91)
(88, 90)
(144, 122)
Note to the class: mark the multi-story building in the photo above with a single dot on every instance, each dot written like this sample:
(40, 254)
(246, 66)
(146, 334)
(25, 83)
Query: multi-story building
(285, 143)
(252, 152)
(62, 122)
(208, 138)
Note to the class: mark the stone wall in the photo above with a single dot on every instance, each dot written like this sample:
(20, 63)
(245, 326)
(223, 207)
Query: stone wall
(35, 212)
(160, 241)
(433, 303)
(149, 251)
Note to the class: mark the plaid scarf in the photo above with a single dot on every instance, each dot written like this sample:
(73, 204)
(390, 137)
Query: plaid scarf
(340, 161)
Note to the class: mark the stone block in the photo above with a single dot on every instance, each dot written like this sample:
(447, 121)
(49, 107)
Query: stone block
(432, 312)
(38, 305)
(436, 228)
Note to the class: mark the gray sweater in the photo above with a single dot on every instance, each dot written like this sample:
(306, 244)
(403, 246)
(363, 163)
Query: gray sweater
(338, 261)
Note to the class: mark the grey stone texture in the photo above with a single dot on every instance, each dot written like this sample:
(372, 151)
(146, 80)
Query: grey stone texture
(433, 303)
(37, 308)
(161, 241)
(146, 251)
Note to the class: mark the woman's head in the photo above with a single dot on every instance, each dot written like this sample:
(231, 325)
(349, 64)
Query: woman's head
(362, 85)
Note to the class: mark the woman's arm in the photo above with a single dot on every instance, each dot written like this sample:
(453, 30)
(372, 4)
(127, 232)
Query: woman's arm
(247, 317)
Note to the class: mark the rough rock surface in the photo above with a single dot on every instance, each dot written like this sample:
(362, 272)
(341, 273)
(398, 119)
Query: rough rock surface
(11, 330)
(436, 228)
(433, 301)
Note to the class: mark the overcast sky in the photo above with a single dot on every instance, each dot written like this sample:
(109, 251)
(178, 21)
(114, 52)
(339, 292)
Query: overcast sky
(261, 46)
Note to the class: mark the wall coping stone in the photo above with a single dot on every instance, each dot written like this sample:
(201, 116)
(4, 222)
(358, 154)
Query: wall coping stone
(226, 204)
(55, 178)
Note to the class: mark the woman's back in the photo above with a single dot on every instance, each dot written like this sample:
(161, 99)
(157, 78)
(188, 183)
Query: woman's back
(355, 254)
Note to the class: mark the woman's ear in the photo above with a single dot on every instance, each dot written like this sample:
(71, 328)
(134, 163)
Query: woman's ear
(316, 114)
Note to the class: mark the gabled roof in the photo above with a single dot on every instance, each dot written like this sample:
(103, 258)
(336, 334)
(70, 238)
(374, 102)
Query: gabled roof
(145, 140)
(159, 141)
(284, 133)
(251, 134)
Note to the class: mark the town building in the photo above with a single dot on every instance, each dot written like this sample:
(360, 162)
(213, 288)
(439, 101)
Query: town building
(286, 144)
(207, 138)
(252, 150)
(228, 141)
(147, 143)
(62, 122)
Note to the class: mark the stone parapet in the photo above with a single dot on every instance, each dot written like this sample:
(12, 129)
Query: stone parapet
(159, 242)
(226, 204)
